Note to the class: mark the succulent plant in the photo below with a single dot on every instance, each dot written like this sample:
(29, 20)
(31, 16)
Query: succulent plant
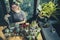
(48, 9)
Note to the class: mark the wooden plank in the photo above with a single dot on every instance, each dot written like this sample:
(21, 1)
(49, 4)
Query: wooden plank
(1, 33)
(15, 38)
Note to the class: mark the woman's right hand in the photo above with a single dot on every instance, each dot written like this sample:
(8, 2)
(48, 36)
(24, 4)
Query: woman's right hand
(6, 17)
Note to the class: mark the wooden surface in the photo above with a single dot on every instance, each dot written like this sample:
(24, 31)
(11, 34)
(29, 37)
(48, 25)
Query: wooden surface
(15, 37)
(1, 33)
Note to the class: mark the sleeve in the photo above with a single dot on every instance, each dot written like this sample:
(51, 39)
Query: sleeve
(11, 17)
(24, 15)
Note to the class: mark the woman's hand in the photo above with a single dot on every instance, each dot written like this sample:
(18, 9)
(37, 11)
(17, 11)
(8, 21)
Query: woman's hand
(6, 17)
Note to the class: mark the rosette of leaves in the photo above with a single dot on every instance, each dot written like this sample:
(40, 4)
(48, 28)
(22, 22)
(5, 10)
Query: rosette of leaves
(33, 24)
(34, 29)
(48, 9)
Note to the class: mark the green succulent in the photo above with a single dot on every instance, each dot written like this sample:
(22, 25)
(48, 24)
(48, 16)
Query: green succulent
(33, 24)
(48, 9)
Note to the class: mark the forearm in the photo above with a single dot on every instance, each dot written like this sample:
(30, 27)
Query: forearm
(6, 17)
(21, 22)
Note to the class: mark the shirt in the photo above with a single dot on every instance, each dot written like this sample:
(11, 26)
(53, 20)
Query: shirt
(17, 17)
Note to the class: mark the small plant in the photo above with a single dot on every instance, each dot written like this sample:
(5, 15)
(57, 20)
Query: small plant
(33, 24)
(34, 30)
(48, 9)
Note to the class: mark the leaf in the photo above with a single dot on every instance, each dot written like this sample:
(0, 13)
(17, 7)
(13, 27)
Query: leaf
(55, 17)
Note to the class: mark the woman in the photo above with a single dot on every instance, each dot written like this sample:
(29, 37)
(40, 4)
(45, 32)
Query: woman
(16, 15)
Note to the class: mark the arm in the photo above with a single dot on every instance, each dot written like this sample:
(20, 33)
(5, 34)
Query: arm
(6, 17)
(24, 21)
